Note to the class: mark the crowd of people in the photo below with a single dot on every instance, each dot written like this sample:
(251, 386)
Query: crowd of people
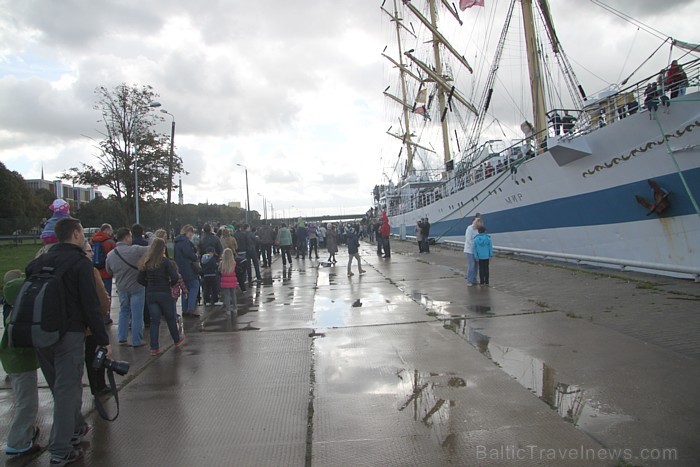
(216, 262)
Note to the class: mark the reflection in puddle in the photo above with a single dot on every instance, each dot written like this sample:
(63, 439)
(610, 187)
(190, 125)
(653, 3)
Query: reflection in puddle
(425, 399)
(540, 378)
(330, 313)
(436, 306)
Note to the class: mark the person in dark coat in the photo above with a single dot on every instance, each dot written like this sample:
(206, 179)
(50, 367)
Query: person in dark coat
(185, 258)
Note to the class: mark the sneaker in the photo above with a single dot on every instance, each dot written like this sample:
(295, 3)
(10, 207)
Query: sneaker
(469, 284)
(351, 274)
(155, 352)
(362, 271)
(31, 449)
(80, 434)
(108, 320)
(179, 343)
(74, 456)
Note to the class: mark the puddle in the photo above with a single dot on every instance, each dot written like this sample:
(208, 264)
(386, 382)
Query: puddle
(435, 306)
(540, 378)
(425, 397)
(330, 313)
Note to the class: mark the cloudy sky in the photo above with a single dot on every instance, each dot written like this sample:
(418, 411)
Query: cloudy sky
(292, 90)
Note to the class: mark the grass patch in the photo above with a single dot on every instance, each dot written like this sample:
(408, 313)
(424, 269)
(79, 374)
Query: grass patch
(15, 258)
(432, 313)
(573, 315)
(645, 285)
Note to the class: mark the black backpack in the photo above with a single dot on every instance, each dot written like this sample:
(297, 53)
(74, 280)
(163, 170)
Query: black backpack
(39, 316)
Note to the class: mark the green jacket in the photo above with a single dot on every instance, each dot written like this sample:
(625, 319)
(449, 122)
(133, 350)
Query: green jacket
(15, 360)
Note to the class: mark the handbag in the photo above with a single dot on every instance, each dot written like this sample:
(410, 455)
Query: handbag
(179, 288)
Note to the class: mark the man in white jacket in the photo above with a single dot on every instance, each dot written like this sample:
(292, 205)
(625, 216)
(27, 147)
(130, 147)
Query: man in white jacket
(469, 235)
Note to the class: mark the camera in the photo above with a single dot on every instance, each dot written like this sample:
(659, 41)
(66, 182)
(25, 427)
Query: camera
(101, 360)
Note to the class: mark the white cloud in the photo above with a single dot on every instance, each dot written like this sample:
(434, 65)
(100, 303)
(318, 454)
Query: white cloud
(292, 90)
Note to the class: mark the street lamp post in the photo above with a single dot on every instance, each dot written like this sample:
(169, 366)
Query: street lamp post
(247, 193)
(136, 185)
(150, 106)
(170, 169)
(264, 205)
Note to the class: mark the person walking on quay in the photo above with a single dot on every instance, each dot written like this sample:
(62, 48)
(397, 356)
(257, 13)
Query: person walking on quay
(322, 236)
(302, 233)
(252, 255)
(121, 264)
(137, 238)
(313, 240)
(96, 376)
(20, 364)
(227, 240)
(385, 231)
(210, 277)
(483, 251)
(229, 281)
(266, 240)
(419, 235)
(102, 243)
(159, 274)
(209, 240)
(469, 235)
(284, 239)
(185, 258)
(378, 235)
(353, 251)
(61, 363)
(331, 243)
(425, 230)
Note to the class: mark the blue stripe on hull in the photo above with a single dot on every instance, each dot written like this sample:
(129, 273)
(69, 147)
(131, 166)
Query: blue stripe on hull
(609, 206)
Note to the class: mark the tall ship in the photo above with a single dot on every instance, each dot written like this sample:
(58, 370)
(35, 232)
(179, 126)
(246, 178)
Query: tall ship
(611, 178)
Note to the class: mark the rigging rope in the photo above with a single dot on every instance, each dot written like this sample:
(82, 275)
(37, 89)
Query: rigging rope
(675, 162)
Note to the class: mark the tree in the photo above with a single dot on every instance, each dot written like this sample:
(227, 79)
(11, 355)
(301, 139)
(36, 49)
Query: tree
(128, 143)
(103, 210)
(20, 208)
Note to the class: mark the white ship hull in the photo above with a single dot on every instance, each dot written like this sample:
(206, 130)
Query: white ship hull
(587, 207)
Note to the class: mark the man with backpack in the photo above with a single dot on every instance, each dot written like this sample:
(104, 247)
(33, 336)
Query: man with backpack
(122, 263)
(102, 243)
(75, 309)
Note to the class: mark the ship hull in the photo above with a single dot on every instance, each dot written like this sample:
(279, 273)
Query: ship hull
(588, 206)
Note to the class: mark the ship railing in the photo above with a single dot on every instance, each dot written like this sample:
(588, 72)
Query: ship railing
(616, 104)
(624, 264)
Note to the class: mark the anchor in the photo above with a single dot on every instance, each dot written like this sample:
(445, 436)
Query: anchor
(661, 201)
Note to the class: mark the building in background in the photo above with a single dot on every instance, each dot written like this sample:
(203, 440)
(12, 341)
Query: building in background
(74, 195)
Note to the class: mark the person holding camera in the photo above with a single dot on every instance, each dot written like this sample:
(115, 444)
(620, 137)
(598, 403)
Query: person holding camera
(159, 274)
(62, 362)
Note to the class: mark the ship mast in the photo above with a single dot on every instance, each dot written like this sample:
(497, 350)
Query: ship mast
(535, 69)
(441, 92)
(404, 94)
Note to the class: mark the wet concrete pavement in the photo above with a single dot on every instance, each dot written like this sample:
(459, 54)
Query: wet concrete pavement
(405, 365)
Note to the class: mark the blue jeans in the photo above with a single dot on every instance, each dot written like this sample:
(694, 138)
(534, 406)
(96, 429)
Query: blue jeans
(162, 302)
(190, 303)
(471, 268)
(131, 309)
